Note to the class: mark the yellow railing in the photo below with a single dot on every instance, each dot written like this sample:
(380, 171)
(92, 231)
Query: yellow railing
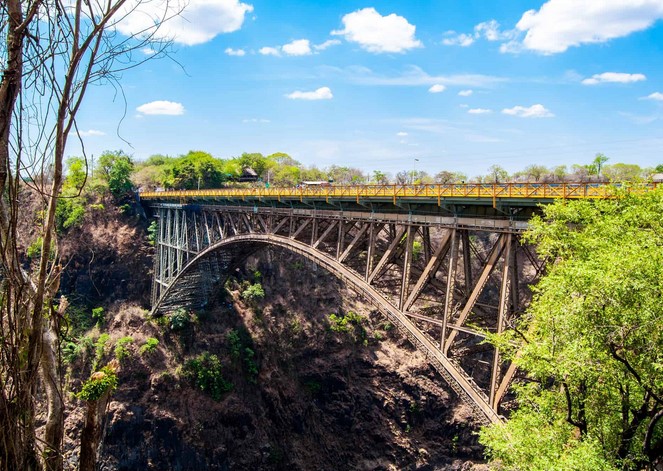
(466, 190)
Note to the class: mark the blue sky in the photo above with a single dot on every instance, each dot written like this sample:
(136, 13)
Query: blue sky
(459, 85)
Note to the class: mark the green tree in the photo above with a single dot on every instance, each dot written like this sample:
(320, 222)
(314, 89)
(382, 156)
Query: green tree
(497, 174)
(620, 172)
(196, 170)
(536, 172)
(115, 167)
(594, 342)
(598, 162)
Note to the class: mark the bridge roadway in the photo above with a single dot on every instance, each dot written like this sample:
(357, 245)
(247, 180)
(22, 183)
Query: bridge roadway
(443, 263)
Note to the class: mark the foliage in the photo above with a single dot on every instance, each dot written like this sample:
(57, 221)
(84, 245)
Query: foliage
(72, 350)
(417, 248)
(152, 232)
(206, 374)
(99, 383)
(122, 351)
(241, 351)
(254, 292)
(100, 349)
(179, 319)
(594, 348)
(98, 314)
(115, 167)
(150, 346)
(349, 323)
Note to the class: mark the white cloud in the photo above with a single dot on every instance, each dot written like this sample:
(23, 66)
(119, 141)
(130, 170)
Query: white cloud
(235, 52)
(298, 47)
(613, 77)
(465, 93)
(269, 51)
(148, 51)
(489, 30)
(322, 93)
(327, 44)
(534, 111)
(479, 111)
(560, 24)
(91, 133)
(161, 107)
(437, 88)
(189, 22)
(377, 33)
(401, 134)
(656, 96)
(462, 40)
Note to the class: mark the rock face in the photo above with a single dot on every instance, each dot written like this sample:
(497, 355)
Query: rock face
(307, 392)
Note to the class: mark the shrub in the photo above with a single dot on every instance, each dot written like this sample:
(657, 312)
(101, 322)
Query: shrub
(149, 346)
(122, 348)
(179, 319)
(98, 314)
(100, 349)
(100, 383)
(206, 374)
(152, 232)
(350, 323)
(253, 293)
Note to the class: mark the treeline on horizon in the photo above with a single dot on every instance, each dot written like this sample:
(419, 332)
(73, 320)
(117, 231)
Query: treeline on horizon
(201, 170)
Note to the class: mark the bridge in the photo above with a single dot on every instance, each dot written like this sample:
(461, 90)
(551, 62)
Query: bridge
(444, 263)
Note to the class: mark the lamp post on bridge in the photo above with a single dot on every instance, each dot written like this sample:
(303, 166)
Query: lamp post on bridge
(414, 170)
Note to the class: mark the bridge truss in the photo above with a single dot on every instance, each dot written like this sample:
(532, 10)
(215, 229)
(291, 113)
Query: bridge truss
(443, 281)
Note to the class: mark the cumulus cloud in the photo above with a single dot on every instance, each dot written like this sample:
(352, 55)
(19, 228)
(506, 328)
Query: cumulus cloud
(298, 47)
(479, 111)
(322, 93)
(161, 107)
(560, 24)
(437, 88)
(327, 44)
(198, 22)
(534, 111)
(269, 51)
(401, 134)
(91, 133)
(235, 52)
(656, 96)
(613, 77)
(377, 33)
(465, 93)
(454, 39)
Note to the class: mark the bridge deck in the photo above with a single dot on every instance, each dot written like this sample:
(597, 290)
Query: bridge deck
(520, 193)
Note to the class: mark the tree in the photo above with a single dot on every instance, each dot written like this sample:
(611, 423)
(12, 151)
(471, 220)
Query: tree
(598, 162)
(497, 174)
(51, 51)
(559, 173)
(116, 169)
(593, 345)
(380, 178)
(623, 172)
(445, 177)
(536, 172)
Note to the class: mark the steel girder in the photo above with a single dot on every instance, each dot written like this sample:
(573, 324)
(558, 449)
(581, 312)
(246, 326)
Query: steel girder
(444, 284)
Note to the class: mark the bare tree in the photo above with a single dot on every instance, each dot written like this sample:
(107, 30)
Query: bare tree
(52, 50)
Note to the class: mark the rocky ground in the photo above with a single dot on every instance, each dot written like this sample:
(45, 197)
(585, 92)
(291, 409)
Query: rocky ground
(302, 397)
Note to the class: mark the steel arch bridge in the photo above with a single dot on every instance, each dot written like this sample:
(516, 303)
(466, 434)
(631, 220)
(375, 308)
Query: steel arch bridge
(443, 269)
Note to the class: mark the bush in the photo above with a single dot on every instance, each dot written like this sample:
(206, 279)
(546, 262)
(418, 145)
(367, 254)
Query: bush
(122, 348)
(253, 293)
(350, 323)
(179, 320)
(99, 384)
(100, 349)
(98, 314)
(206, 374)
(152, 232)
(149, 346)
